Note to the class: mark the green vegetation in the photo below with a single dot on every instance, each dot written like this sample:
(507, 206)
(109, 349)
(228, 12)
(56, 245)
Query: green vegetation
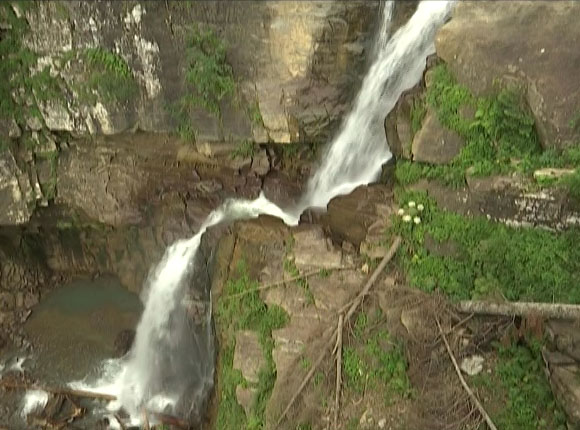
(379, 363)
(528, 402)
(20, 91)
(109, 76)
(290, 268)
(255, 114)
(245, 149)
(500, 138)
(490, 259)
(418, 111)
(208, 78)
(247, 312)
(208, 75)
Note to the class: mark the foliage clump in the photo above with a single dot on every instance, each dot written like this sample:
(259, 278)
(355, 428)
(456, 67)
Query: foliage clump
(208, 75)
(245, 312)
(489, 259)
(500, 137)
(109, 76)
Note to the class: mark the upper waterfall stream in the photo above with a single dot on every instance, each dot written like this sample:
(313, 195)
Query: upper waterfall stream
(157, 373)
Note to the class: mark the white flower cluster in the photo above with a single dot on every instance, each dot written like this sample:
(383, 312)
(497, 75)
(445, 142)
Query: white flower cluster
(411, 212)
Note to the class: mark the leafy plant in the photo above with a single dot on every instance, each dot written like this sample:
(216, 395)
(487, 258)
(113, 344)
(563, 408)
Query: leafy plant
(417, 114)
(109, 76)
(208, 75)
(519, 384)
(502, 131)
(255, 114)
(521, 264)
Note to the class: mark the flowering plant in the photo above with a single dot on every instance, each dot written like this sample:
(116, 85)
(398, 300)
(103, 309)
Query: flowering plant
(411, 212)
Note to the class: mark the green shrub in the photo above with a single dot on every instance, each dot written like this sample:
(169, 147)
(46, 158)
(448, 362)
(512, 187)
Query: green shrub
(208, 75)
(521, 264)
(109, 76)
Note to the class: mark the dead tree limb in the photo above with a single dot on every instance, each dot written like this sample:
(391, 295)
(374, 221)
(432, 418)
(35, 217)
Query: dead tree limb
(338, 370)
(331, 340)
(471, 394)
(62, 391)
(273, 284)
(546, 310)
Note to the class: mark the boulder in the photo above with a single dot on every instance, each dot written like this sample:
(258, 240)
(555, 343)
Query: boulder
(248, 355)
(531, 42)
(434, 143)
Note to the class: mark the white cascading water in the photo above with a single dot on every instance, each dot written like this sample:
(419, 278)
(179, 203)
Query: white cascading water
(164, 358)
(357, 153)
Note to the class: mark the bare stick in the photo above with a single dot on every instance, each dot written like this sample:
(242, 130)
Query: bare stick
(473, 397)
(546, 310)
(330, 341)
(338, 370)
(120, 421)
(272, 285)
(62, 391)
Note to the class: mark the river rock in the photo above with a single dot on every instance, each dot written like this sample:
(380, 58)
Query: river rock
(531, 42)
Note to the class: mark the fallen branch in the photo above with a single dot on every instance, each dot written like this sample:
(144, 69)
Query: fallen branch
(61, 391)
(338, 370)
(273, 284)
(330, 341)
(473, 397)
(120, 421)
(546, 310)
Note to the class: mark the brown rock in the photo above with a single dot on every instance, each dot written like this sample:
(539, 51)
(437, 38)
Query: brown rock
(246, 398)
(313, 250)
(435, 144)
(248, 355)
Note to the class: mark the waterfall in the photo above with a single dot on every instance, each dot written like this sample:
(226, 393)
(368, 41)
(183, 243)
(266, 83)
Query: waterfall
(165, 357)
(359, 150)
(383, 34)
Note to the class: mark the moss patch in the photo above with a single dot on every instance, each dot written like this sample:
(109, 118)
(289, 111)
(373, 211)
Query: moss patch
(246, 312)
(374, 360)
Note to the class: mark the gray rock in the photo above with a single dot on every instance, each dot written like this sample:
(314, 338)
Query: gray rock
(248, 355)
(16, 194)
(529, 42)
(435, 144)
(284, 56)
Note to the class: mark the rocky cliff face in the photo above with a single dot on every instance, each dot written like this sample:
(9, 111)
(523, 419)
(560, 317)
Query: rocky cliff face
(75, 69)
(295, 63)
